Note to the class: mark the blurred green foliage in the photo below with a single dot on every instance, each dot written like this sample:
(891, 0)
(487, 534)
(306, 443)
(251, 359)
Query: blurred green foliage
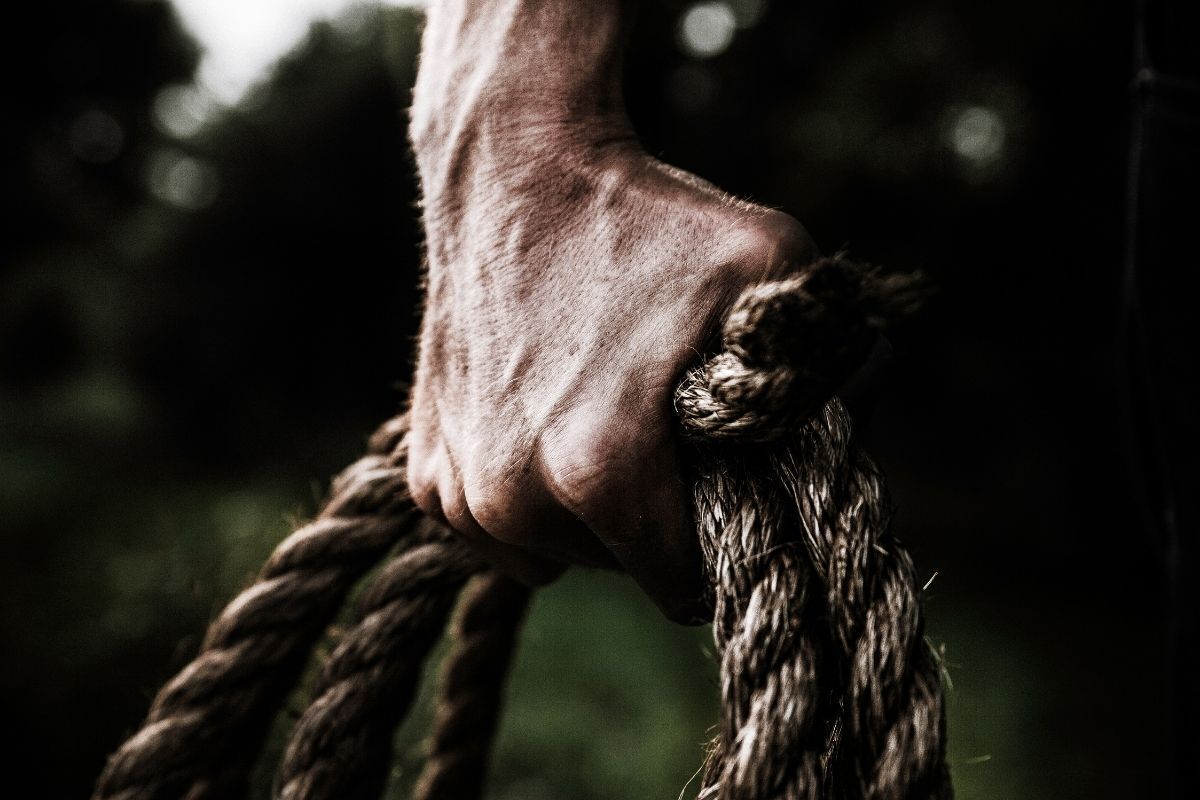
(194, 330)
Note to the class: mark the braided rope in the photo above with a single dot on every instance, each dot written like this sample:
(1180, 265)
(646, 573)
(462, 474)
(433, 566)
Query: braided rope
(828, 688)
(207, 725)
(485, 630)
(341, 747)
(772, 729)
(892, 710)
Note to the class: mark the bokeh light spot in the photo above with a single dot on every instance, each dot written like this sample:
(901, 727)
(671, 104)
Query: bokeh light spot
(96, 137)
(977, 135)
(707, 29)
(182, 111)
(181, 180)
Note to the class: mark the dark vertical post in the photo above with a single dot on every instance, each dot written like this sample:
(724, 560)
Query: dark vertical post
(1160, 354)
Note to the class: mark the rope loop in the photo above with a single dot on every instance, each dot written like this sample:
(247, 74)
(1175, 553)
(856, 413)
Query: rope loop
(829, 690)
(787, 346)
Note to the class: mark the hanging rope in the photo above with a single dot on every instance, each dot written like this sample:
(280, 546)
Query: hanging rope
(471, 688)
(828, 687)
(342, 745)
(206, 726)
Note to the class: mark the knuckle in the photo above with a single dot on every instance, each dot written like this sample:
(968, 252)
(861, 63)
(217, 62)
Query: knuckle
(495, 512)
(454, 506)
(776, 243)
(423, 483)
(494, 490)
(581, 467)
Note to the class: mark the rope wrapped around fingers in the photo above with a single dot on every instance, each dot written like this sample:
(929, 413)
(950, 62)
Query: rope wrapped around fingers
(828, 687)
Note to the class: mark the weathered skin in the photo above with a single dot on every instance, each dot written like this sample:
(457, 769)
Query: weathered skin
(572, 278)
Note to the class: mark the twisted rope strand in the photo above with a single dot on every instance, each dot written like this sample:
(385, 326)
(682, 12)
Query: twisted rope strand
(471, 687)
(892, 703)
(788, 346)
(342, 745)
(770, 735)
(828, 688)
(206, 726)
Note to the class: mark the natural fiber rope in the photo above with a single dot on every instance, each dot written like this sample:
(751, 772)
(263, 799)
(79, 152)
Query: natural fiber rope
(828, 688)
(766, 622)
(342, 745)
(207, 725)
(471, 688)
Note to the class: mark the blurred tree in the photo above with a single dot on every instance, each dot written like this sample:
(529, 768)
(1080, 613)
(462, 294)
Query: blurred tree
(197, 318)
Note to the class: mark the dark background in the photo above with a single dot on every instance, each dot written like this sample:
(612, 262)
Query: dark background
(195, 331)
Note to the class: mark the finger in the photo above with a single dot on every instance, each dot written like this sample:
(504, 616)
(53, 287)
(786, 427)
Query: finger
(438, 490)
(528, 517)
(656, 542)
(517, 562)
(645, 522)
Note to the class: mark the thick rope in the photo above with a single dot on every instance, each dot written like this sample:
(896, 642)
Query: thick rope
(828, 687)
(206, 726)
(892, 721)
(342, 745)
(787, 346)
(471, 688)
(766, 626)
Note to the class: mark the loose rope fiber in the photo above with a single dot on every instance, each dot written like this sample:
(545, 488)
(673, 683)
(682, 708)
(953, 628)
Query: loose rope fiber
(828, 687)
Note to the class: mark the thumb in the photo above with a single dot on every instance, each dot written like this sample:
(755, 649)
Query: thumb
(648, 528)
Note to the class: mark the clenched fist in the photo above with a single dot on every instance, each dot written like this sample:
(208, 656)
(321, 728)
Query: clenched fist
(572, 279)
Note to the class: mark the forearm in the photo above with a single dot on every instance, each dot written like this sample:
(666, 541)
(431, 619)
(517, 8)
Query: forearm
(516, 73)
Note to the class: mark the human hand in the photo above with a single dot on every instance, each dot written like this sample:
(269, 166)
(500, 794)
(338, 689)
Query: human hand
(572, 279)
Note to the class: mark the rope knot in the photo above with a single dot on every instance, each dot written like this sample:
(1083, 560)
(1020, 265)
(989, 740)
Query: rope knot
(787, 347)
(828, 687)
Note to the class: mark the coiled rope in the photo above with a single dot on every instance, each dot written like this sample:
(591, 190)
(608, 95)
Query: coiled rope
(828, 687)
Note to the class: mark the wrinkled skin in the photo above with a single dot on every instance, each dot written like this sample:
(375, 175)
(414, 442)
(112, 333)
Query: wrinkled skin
(572, 279)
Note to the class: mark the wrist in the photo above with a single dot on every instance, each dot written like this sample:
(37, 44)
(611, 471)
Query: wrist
(518, 75)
